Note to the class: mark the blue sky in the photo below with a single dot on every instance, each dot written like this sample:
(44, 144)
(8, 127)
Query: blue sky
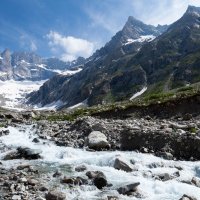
(71, 28)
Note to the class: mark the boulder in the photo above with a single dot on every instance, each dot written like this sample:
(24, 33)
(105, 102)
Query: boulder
(80, 168)
(113, 198)
(28, 153)
(100, 181)
(125, 190)
(164, 177)
(55, 195)
(33, 182)
(98, 177)
(12, 155)
(97, 141)
(92, 174)
(36, 140)
(122, 164)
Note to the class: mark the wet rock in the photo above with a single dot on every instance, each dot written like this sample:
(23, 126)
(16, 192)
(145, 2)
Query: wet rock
(165, 155)
(92, 174)
(80, 168)
(36, 140)
(28, 153)
(74, 181)
(55, 195)
(122, 164)
(195, 181)
(164, 177)
(126, 190)
(186, 197)
(97, 141)
(25, 166)
(113, 198)
(12, 155)
(100, 181)
(43, 188)
(57, 174)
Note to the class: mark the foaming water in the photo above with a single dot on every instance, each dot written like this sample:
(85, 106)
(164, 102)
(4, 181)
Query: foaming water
(103, 161)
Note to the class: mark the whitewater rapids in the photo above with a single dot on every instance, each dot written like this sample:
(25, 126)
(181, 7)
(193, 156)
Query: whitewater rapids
(103, 161)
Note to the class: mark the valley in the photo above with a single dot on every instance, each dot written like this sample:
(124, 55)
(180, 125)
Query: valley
(120, 123)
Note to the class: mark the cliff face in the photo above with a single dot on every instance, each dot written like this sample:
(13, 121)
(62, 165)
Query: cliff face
(159, 58)
(105, 73)
(30, 66)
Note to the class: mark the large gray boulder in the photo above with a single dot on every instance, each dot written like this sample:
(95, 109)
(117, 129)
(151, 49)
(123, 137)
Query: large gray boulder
(125, 190)
(122, 164)
(97, 141)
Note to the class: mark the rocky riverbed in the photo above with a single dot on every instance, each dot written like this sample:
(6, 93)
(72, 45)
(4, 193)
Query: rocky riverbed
(84, 159)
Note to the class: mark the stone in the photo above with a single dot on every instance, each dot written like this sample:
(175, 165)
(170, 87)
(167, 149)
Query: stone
(57, 174)
(36, 140)
(80, 168)
(74, 181)
(33, 182)
(92, 174)
(23, 180)
(121, 164)
(196, 182)
(112, 198)
(164, 177)
(97, 141)
(43, 188)
(100, 181)
(28, 153)
(55, 195)
(125, 190)
(21, 167)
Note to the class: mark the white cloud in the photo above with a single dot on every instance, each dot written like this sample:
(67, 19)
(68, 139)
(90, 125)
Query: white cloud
(70, 47)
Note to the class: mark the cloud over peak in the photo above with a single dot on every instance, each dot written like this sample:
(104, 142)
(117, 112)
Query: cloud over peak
(68, 46)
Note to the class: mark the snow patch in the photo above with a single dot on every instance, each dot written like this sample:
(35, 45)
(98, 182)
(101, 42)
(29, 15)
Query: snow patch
(138, 93)
(24, 62)
(52, 106)
(63, 72)
(143, 38)
(81, 104)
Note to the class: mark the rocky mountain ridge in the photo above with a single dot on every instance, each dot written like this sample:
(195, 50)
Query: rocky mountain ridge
(30, 66)
(100, 71)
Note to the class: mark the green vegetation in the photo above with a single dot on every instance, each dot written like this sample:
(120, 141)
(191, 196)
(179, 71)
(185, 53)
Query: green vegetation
(186, 88)
(193, 130)
(145, 100)
(158, 96)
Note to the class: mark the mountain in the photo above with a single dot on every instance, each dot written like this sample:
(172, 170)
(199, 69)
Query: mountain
(172, 60)
(30, 66)
(99, 80)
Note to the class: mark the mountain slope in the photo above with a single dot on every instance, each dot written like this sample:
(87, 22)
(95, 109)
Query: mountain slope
(173, 56)
(100, 81)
